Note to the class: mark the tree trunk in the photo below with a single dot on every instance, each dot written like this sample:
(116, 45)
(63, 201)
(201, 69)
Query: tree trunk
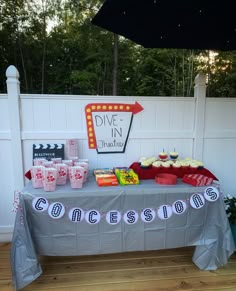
(115, 66)
(44, 5)
(183, 77)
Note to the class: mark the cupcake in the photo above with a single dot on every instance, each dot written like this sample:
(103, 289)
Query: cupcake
(193, 165)
(170, 162)
(165, 165)
(185, 164)
(142, 159)
(176, 165)
(157, 164)
(163, 155)
(148, 162)
(200, 164)
(173, 155)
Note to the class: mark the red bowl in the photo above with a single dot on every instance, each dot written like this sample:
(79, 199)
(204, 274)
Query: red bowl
(166, 179)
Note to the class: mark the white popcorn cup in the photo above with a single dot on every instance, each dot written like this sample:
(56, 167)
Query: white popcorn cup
(61, 173)
(49, 179)
(76, 175)
(39, 161)
(37, 176)
(86, 169)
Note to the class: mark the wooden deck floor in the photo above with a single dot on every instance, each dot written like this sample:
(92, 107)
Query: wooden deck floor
(164, 270)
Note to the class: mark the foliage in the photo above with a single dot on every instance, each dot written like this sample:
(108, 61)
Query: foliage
(230, 207)
(57, 50)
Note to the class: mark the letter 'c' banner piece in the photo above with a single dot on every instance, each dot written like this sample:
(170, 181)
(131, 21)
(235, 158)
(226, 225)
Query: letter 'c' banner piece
(109, 124)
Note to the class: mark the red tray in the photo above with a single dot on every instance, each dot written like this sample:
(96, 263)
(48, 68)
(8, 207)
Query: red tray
(166, 179)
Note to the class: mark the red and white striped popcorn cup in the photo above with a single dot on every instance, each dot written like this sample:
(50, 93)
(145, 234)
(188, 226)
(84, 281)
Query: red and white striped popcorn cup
(39, 161)
(74, 159)
(37, 176)
(61, 173)
(49, 179)
(71, 148)
(56, 160)
(48, 164)
(84, 161)
(86, 169)
(69, 163)
(76, 175)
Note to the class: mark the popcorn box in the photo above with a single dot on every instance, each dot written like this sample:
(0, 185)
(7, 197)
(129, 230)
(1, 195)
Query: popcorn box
(37, 176)
(49, 179)
(71, 149)
(197, 180)
(39, 161)
(76, 175)
(86, 169)
(62, 170)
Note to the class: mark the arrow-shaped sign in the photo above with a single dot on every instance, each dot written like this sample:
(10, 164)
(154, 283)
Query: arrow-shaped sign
(115, 107)
(108, 125)
(136, 108)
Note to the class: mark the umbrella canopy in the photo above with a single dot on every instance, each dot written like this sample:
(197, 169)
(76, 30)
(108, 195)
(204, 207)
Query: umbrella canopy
(202, 24)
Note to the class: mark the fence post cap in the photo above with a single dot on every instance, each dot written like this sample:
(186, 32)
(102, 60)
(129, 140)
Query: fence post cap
(200, 79)
(12, 72)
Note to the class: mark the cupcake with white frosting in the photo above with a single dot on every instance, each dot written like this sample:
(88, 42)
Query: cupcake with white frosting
(177, 165)
(174, 155)
(163, 155)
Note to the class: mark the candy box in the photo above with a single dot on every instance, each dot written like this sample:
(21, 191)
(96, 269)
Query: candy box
(107, 180)
(127, 176)
(197, 180)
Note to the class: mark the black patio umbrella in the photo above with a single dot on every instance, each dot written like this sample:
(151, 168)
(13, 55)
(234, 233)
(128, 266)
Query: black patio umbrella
(202, 24)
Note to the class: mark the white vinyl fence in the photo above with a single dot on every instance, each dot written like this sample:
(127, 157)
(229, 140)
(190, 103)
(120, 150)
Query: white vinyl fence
(198, 127)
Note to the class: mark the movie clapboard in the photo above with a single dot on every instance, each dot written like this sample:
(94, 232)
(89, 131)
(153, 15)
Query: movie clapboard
(48, 151)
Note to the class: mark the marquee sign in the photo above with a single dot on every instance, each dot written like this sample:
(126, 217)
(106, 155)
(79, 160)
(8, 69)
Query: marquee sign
(108, 125)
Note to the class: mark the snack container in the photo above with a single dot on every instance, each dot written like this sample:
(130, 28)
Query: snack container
(76, 175)
(37, 176)
(49, 179)
(84, 161)
(56, 160)
(62, 170)
(86, 169)
(73, 159)
(69, 163)
(71, 149)
(39, 161)
(48, 164)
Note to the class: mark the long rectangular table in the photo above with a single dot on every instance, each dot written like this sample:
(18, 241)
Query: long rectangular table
(36, 233)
